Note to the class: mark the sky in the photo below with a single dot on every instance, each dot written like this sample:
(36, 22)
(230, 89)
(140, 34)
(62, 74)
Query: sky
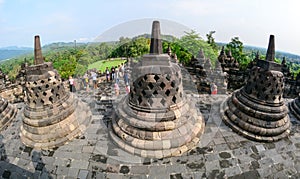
(68, 20)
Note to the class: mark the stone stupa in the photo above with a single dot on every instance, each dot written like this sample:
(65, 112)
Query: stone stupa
(52, 115)
(257, 111)
(7, 113)
(156, 119)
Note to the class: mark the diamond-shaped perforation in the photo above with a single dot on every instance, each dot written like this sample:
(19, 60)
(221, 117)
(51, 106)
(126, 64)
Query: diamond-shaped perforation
(51, 99)
(174, 99)
(150, 85)
(173, 83)
(167, 92)
(155, 92)
(163, 101)
(140, 99)
(151, 101)
(168, 77)
(156, 77)
(145, 77)
(144, 92)
(162, 85)
(140, 84)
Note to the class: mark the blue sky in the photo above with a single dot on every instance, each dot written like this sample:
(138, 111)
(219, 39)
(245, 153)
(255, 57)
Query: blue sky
(68, 20)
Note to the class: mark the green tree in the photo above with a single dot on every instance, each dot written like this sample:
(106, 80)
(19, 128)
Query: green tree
(192, 42)
(236, 47)
(211, 40)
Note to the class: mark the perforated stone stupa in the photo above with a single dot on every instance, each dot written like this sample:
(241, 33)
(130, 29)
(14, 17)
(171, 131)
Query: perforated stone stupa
(257, 111)
(156, 119)
(7, 113)
(52, 115)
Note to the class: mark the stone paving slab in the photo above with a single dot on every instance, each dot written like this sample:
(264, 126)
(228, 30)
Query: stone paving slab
(220, 153)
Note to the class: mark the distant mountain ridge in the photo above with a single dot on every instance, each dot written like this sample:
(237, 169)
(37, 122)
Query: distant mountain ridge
(13, 51)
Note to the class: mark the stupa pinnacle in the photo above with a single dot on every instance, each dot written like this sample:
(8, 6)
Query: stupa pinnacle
(155, 45)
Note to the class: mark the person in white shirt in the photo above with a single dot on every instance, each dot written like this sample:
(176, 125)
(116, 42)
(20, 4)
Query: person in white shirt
(71, 84)
(94, 77)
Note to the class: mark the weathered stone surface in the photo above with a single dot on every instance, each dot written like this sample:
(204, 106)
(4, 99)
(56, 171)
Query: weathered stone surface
(52, 115)
(7, 113)
(230, 66)
(257, 111)
(156, 119)
(13, 91)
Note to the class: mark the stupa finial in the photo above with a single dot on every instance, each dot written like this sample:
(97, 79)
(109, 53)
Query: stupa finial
(156, 45)
(38, 57)
(271, 49)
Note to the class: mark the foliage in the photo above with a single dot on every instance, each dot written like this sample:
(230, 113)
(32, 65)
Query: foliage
(183, 54)
(131, 47)
(192, 42)
(211, 40)
(236, 47)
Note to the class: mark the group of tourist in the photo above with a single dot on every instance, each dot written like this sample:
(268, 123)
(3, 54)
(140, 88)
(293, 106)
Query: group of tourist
(116, 74)
(111, 75)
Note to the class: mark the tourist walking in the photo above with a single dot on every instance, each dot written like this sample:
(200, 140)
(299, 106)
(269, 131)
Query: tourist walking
(112, 73)
(122, 69)
(72, 84)
(117, 89)
(85, 76)
(94, 77)
(107, 74)
(117, 74)
(126, 78)
(213, 88)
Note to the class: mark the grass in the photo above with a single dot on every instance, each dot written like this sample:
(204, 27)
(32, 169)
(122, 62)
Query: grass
(101, 65)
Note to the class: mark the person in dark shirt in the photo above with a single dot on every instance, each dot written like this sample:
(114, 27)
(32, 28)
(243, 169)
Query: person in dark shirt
(112, 73)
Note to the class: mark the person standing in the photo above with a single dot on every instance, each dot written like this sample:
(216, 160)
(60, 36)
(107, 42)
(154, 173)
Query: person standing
(126, 78)
(112, 73)
(71, 84)
(122, 68)
(94, 77)
(85, 76)
(213, 88)
(117, 89)
(117, 74)
(107, 74)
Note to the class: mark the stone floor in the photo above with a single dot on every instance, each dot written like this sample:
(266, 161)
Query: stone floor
(220, 154)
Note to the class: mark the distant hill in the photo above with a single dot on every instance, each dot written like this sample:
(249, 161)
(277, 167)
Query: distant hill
(13, 51)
